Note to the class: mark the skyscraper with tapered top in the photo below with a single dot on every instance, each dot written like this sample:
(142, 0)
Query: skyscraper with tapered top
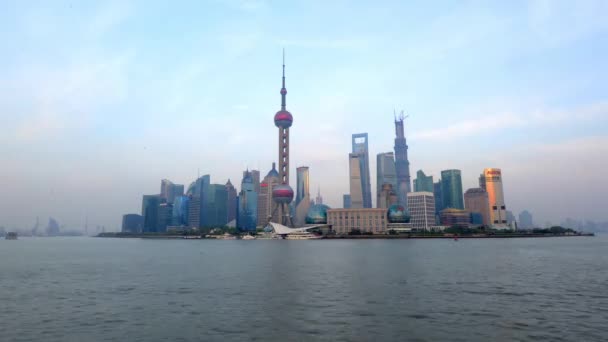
(402, 165)
(282, 194)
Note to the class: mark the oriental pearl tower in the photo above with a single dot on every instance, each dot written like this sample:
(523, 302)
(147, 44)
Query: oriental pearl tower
(282, 194)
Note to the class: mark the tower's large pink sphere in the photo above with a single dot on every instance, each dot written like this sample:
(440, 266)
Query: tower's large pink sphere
(282, 193)
(283, 119)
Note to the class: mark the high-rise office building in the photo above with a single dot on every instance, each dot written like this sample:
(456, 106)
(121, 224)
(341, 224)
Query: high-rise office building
(402, 164)
(230, 202)
(421, 209)
(168, 190)
(438, 198)
(165, 214)
(387, 196)
(302, 195)
(452, 217)
(525, 220)
(255, 175)
(476, 201)
(265, 202)
(248, 204)
(149, 212)
(197, 187)
(496, 199)
(385, 174)
(282, 194)
(360, 147)
(423, 182)
(194, 211)
(451, 189)
(346, 201)
(215, 206)
(356, 191)
(132, 223)
(180, 211)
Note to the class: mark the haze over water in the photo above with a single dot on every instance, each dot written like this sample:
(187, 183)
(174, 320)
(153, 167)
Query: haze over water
(85, 289)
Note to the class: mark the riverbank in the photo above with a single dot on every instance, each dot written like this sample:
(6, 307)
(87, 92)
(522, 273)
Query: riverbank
(333, 237)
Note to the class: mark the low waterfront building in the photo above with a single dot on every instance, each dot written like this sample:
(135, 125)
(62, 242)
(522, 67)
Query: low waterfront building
(343, 221)
(452, 217)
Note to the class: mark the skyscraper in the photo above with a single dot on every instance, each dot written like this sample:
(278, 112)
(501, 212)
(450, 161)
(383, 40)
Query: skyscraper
(248, 204)
(255, 175)
(230, 202)
(385, 174)
(346, 201)
(451, 189)
(180, 211)
(265, 202)
(302, 195)
(438, 198)
(525, 220)
(360, 147)
(282, 194)
(423, 182)
(149, 212)
(168, 190)
(498, 209)
(356, 191)
(402, 165)
(476, 201)
(215, 206)
(319, 198)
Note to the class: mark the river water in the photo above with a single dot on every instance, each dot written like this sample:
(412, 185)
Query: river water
(96, 289)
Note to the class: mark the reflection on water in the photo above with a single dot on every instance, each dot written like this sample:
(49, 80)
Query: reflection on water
(86, 289)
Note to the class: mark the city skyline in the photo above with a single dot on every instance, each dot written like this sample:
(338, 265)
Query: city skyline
(112, 126)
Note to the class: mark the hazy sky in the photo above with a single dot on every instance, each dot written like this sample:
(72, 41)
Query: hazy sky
(100, 100)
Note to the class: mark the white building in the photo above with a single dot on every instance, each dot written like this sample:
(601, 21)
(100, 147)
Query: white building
(422, 209)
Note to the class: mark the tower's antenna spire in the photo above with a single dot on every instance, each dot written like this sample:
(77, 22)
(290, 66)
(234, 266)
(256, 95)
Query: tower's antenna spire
(283, 89)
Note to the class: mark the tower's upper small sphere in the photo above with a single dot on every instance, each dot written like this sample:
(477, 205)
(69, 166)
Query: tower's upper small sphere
(283, 91)
(398, 214)
(283, 119)
(282, 193)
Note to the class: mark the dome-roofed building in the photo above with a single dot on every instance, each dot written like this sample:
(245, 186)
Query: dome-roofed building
(398, 214)
(317, 214)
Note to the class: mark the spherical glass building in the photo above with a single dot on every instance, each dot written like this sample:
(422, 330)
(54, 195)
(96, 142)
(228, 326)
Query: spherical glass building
(398, 214)
(317, 214)
(282, 193)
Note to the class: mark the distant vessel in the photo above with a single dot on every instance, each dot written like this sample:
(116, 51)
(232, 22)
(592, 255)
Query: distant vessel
(248, 237)
(11, 236)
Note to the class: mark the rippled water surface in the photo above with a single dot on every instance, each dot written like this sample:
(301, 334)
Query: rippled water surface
(93, 289)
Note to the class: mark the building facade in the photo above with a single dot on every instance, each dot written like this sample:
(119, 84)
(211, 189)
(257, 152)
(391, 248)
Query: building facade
(356, 191)
(302, 195)
(385, 174)
(360, 147)
(346, 201)
(265, 202)
(476, 201)
(215, 202)
(343, 221)
(421, 209)
(132, 223)
(179, 216)
(496, 199)
(248, 205)
(452, 217)
(402, 164)
(438, 198)
(149, 212)
(230, 202)
(451, 189)
(423, 182)
(525, 220)
(387, 196)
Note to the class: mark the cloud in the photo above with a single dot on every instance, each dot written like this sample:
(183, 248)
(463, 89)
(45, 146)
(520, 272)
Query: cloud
(485, 123)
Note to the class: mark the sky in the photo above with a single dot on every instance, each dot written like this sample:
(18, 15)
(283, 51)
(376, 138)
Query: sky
(100, 100)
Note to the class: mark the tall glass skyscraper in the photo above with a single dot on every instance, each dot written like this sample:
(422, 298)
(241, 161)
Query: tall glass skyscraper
(149, 211)
(360, 147)
(180, 211)
(215, 211)
(302, 195)
(402, 164)
(385, 174)
(423, 182)
(438, 197)
(451, 189)
(248, 204)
